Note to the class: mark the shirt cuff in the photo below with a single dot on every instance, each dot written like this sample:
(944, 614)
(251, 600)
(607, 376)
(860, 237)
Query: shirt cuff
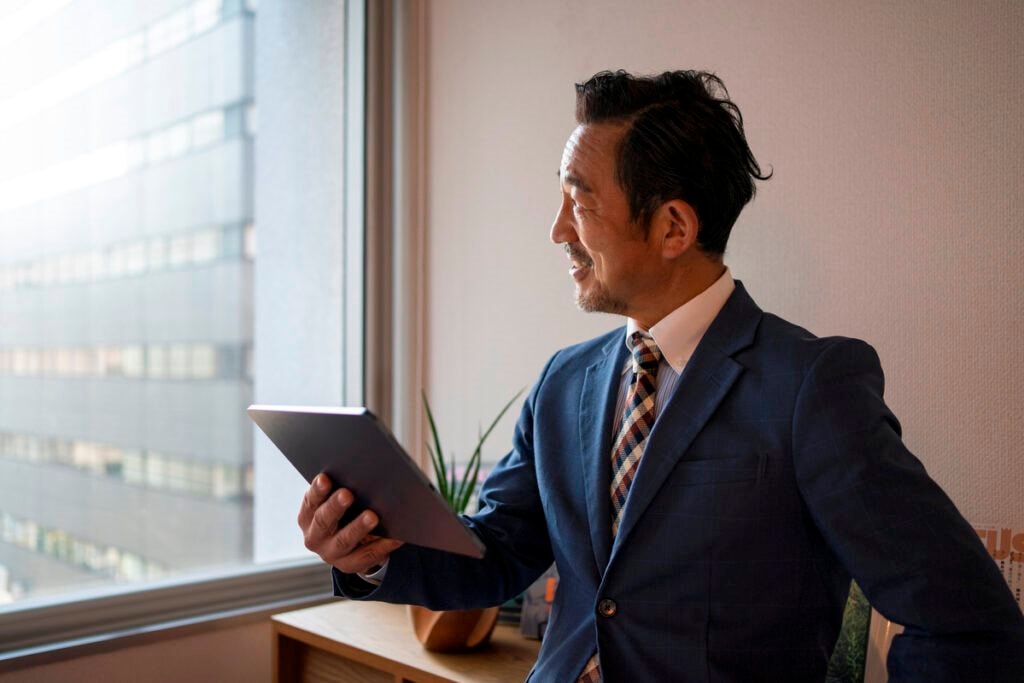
(375, 577)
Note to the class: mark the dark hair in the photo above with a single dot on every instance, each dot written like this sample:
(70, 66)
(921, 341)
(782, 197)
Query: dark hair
(684, 141)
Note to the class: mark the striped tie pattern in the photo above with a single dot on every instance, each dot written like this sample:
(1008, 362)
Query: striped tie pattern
(637, 421)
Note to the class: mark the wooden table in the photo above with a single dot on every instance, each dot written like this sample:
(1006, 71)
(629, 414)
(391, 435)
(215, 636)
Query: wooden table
(367, 641)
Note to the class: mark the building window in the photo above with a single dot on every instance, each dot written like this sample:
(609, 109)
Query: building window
(128, 349)
(124, 305)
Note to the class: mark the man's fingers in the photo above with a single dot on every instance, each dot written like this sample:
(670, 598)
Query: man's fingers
(350, 537)
(369, 556)
(352, 548)
(325, 518)
(313, 498)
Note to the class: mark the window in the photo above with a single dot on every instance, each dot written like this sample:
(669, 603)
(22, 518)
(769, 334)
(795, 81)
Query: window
(128, 289)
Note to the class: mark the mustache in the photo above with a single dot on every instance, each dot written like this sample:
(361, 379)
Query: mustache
(577, 254)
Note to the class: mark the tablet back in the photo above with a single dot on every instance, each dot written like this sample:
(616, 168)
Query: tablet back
(359, 453)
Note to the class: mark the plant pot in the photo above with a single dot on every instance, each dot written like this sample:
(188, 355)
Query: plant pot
(453, 630)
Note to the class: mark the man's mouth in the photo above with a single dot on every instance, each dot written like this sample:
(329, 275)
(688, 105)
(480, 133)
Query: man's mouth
(578, 270)
(579, 263)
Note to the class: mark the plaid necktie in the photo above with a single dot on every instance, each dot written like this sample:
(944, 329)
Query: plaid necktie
(637, 421)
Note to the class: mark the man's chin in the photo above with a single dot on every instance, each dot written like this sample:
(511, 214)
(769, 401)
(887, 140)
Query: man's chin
(597, 302)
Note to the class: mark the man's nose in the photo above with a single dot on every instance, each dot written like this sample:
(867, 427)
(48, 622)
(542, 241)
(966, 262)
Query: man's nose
(562, 229)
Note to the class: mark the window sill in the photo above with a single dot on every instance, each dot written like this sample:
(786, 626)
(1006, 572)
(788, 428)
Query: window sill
(45, 631)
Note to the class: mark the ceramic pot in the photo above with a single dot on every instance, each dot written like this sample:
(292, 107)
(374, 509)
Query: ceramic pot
(453, 630)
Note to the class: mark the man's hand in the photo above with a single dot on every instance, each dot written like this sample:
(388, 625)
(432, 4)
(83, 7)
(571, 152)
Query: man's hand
(350, 549)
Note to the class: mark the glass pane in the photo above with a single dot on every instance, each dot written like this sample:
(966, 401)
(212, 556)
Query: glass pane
(125, 294)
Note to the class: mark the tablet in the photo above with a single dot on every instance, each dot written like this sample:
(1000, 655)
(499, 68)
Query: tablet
(359, 453)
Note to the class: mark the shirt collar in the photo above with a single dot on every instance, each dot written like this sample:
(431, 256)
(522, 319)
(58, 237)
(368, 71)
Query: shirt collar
(679, 332)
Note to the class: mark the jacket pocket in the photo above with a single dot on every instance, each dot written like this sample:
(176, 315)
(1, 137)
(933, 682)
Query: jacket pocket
(719, 470)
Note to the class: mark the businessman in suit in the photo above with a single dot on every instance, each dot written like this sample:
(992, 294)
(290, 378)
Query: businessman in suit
(709, 478)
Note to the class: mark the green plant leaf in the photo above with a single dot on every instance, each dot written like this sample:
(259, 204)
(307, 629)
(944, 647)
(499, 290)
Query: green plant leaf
(469, 481)
(442, 484)
(468, 486)
(457, 493)
(483, 438)
(454, 482)
(461, 495)
(477, 456)
(440, 474)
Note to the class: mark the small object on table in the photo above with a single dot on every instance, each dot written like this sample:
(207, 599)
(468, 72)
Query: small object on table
(537, 602)
(455, 630)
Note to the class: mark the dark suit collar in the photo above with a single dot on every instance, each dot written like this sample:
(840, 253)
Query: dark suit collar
(736, 325)
(707, 378)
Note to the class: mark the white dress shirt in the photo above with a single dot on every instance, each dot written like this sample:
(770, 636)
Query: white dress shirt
(677, 336)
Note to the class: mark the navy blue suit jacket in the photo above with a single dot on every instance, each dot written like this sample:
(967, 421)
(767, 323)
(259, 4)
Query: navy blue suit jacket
(774, 474)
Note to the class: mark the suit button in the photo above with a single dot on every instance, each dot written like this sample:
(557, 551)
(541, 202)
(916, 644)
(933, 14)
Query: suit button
(607, 608)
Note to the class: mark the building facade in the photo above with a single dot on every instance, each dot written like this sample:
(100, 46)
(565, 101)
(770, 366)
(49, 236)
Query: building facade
(126, 255)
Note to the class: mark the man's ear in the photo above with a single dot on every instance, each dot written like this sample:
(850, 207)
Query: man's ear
(676, 223)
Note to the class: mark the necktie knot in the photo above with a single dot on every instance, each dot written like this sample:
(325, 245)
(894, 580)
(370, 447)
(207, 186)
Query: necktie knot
(646, 354)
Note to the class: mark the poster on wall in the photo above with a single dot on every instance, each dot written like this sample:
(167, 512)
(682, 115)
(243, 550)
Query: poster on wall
(1006, 546)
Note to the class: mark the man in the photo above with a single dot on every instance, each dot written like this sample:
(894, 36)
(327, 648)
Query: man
(708, 479)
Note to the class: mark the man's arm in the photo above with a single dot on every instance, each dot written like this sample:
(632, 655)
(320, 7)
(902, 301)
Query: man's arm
(901, 538)
(511, 525)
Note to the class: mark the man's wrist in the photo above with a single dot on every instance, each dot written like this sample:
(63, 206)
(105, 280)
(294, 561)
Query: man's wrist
(374, 575)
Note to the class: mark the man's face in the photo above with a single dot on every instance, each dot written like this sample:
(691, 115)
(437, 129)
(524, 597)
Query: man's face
(610, 259)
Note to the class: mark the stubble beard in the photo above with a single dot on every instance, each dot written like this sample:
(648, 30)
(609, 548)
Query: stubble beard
(598, 300)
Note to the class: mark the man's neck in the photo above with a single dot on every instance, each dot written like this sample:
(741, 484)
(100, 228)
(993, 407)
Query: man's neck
(679, 288)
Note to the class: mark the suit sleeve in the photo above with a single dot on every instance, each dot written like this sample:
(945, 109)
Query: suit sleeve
(901, 538)
(510, 523)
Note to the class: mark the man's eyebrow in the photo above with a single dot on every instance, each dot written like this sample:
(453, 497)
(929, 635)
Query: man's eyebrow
(574, 180)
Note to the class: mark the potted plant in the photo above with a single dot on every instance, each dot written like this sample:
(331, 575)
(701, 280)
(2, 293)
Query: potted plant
(454, 630)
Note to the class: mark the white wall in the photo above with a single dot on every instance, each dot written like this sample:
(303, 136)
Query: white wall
(895, 133)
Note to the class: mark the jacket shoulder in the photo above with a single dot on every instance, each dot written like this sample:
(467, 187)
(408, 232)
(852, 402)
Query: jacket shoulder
(782, 341)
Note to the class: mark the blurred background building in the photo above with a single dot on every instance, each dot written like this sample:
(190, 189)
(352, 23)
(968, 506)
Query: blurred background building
(126, 247)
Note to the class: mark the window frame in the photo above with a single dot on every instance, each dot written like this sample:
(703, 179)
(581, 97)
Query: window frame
(59, 624)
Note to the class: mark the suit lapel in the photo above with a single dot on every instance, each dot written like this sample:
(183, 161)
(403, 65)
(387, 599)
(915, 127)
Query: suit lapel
(597, 407)
(706, 380)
